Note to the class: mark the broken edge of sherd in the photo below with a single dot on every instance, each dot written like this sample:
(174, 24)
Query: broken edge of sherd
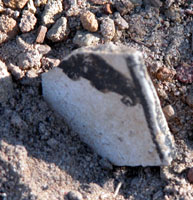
(155, 118)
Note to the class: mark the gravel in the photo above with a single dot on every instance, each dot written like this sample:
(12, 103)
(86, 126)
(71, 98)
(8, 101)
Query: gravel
(40, 158)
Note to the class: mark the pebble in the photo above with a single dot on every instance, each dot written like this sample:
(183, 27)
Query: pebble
(2, 9)
(28, 21)
(190, 175)
(168, 111)
(165, 74)
(31, 7)
(42, 30)
(15, 4)
(74, 195)
(120, 22)
(29, 59)
(89, 21)
(15, 71)
(124, 6)
(108, 8)
(52, 9)
(8, 26)
(107, 28)
(40, 2)
(86, 39)
(59, 31)
(184, 73)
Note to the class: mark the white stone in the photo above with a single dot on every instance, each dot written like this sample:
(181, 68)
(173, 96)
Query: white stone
(106, 95)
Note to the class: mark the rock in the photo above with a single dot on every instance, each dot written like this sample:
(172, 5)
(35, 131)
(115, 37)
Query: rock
(16, 72)
(89, 21)
(2, 9)
(52, 9)
(165, 74)
(124, 6)
(31, 7)
(104, 93)
(8, 28)
(42, 30)
(59, 30)
(86, 39)
(190, 175)
(108, 8)
(120, 21)
(107, 28)
(74, 195)
(29, 59)
(40, 2)
(28, 21)
(6, 85)
(168, 111)
(15, 4)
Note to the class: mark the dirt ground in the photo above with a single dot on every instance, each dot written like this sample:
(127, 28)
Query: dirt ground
(40, 157)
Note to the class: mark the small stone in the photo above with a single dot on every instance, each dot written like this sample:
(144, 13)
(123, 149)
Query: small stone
(15, 4)
(31, 7)
(190, 175)
(51, 11)
(42, 49)
(124, 6)
(120, 21)
(29, 59)
(28, 21)
(165, 74)
(184, 73)
(59, 30)
(86, 39)
(2, 9)
(108, 8)
(168, 111)
(42, 30)
(52, 142)
(8, 28)
(99, 2)
(89, 21)
(40, 2)
(74, 195)
(107, 28)
(16, 72)
(6, 85)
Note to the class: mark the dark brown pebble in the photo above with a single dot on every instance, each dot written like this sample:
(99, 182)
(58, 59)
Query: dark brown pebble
(190, 175)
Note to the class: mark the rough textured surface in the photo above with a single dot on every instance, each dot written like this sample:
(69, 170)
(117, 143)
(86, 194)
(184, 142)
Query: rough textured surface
(59, 30)
(95, 91)
(51, 11)
(28, 21)
(6, 85)
(89, 21)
